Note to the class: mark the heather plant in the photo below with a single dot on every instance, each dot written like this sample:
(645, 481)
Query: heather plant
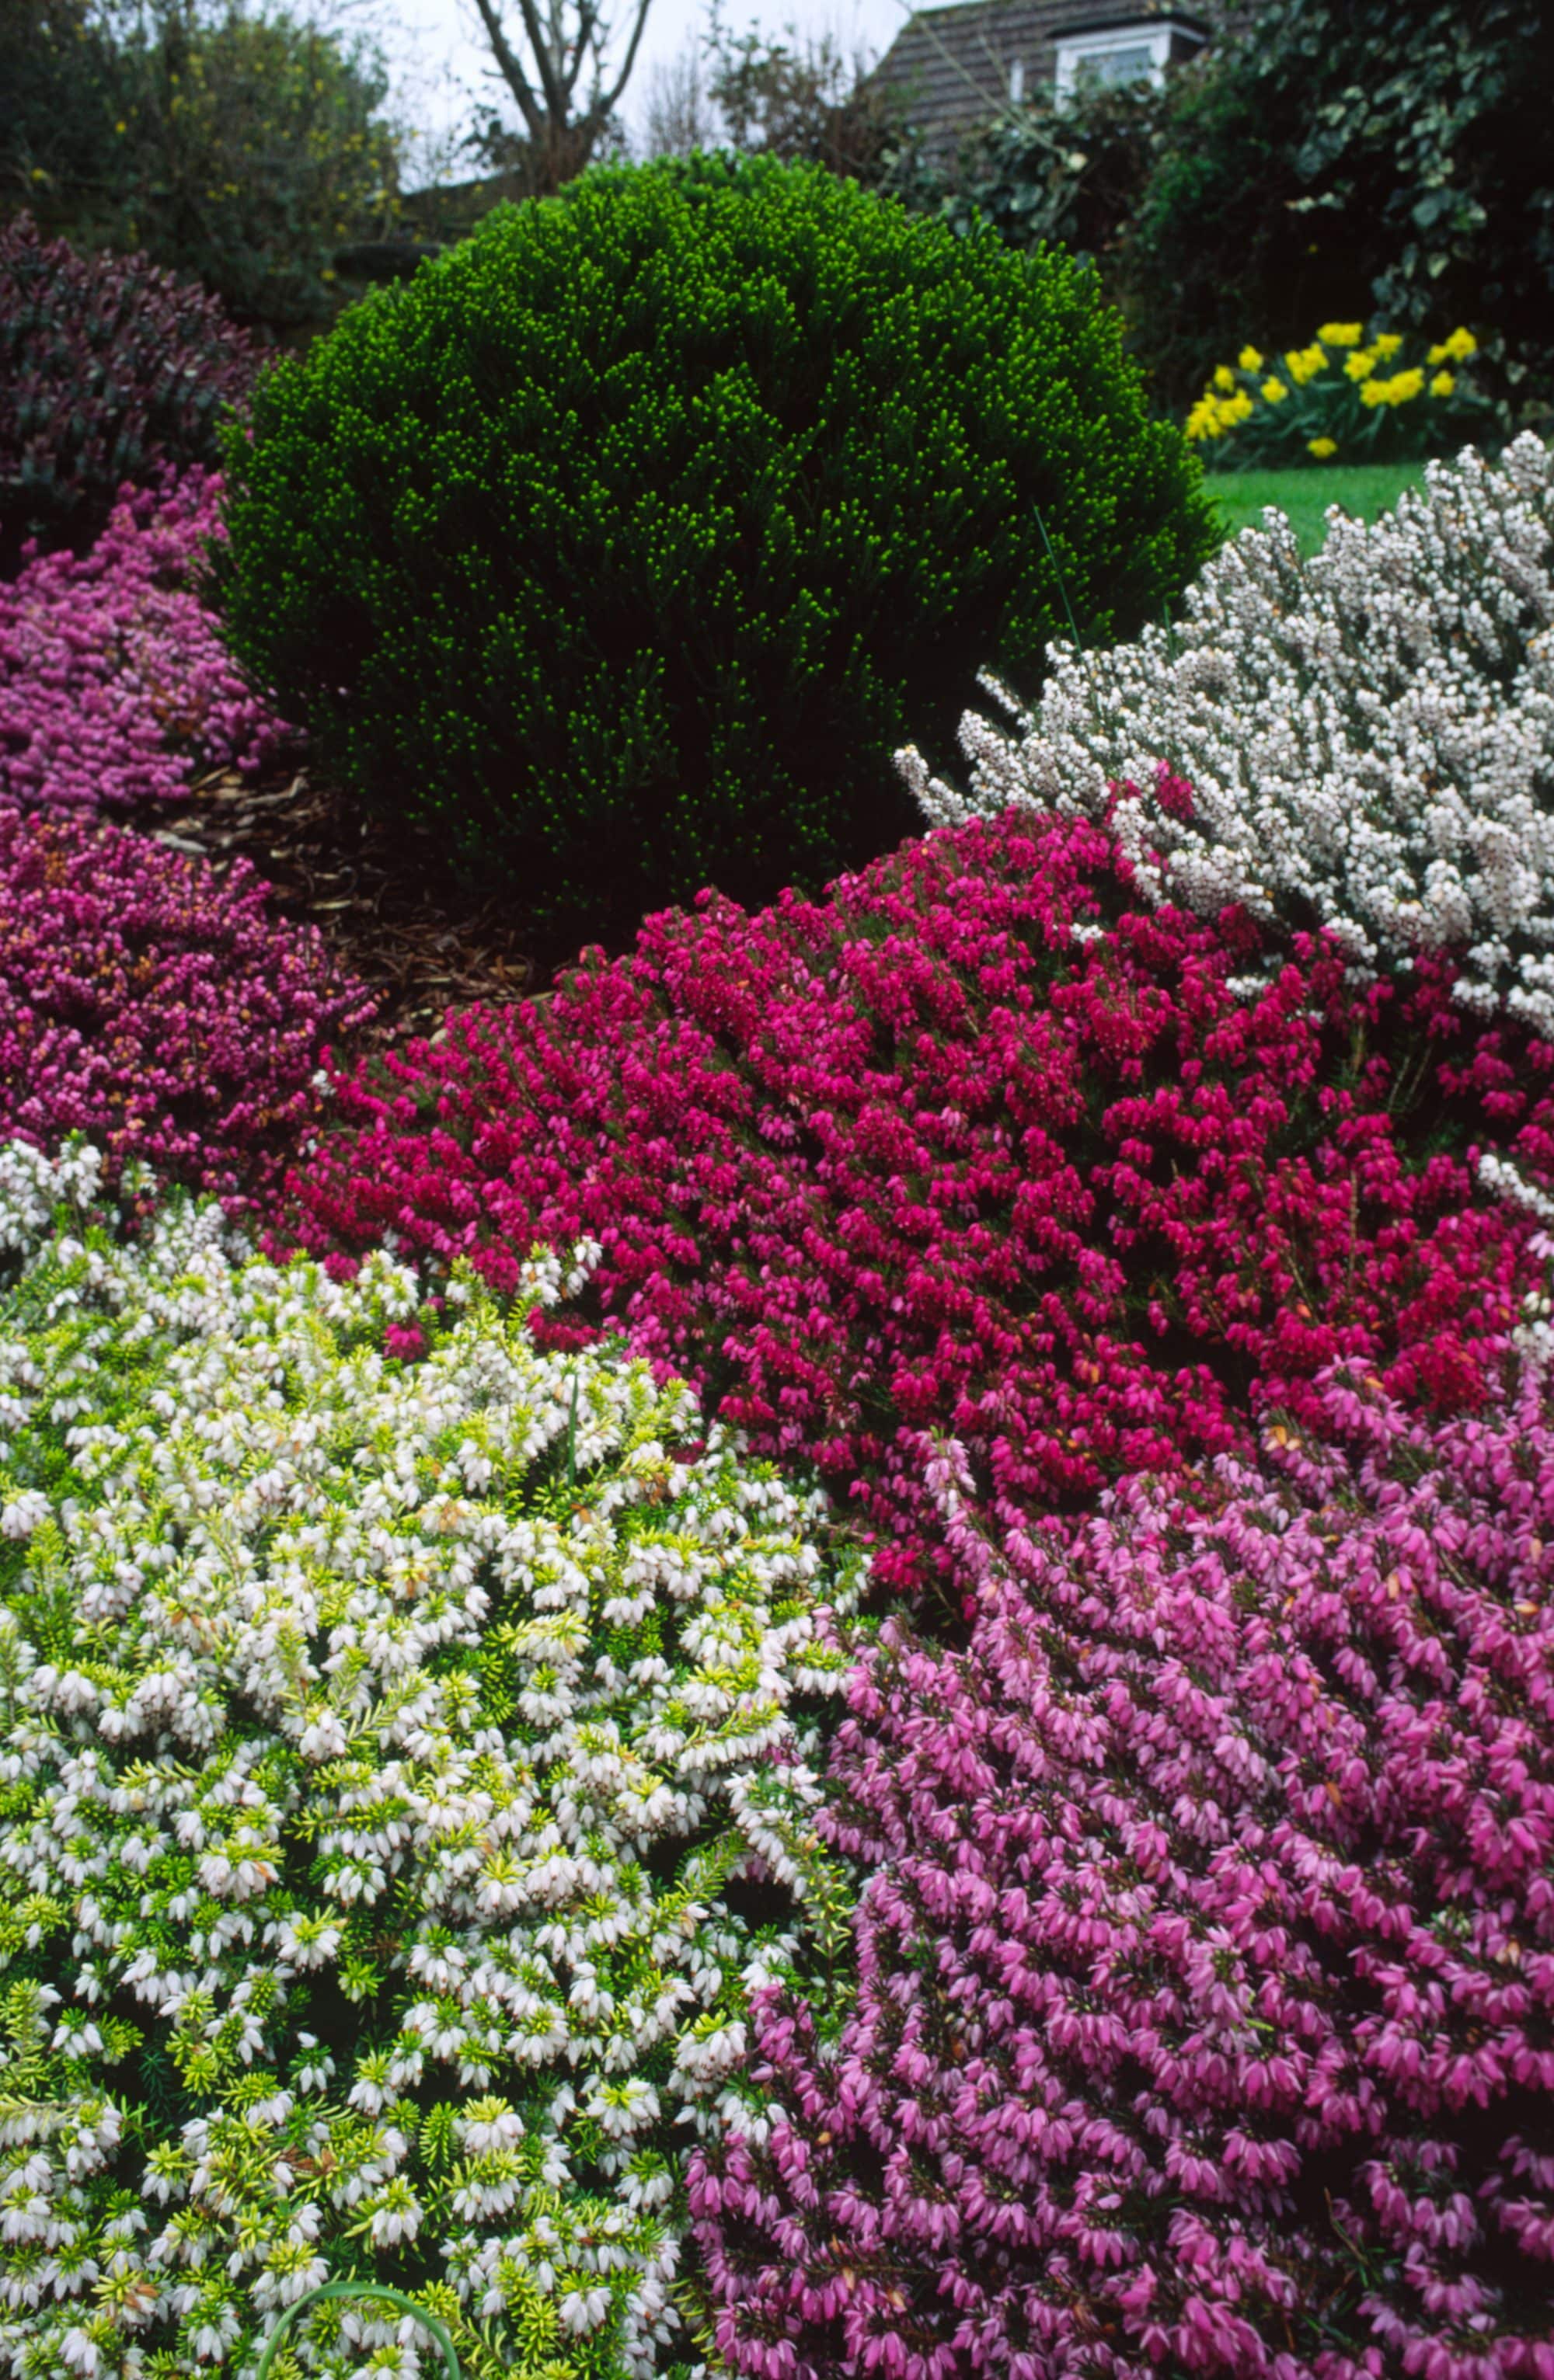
(409, 1776)
(1355, 395)
(110, 368)
(620, 541)
(157, 1008)
(1369, 736)
(1204, 1967)
(979, 1143)
(114, 680)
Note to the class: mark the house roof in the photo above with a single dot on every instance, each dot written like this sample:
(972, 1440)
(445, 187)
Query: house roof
(952, 64)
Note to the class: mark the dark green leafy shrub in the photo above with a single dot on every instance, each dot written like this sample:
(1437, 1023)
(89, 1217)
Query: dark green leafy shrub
(58, 102)
(109, 368)
(1040, 170)
(629, 539)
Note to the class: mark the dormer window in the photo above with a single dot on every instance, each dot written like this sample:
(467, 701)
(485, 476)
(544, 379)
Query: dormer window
(1123, 53)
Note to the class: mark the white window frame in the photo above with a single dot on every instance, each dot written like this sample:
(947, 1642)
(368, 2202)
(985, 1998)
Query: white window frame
(1074, 49)
(1016, 81)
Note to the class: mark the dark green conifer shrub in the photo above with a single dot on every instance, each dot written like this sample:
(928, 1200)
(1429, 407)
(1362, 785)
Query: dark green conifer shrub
(630, 538)
(109, 368)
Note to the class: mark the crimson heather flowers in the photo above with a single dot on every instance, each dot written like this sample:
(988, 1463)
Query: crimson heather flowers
(975, 1143)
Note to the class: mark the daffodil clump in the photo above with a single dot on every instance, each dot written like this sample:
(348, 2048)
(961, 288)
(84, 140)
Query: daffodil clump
(1349, 398)
(407, 1776)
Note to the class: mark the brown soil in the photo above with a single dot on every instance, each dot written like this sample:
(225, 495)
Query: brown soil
(380, 895)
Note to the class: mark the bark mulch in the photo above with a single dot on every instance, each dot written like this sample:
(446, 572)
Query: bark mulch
(382, 894)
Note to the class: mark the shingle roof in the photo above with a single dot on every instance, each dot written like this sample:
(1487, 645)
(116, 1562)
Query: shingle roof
(952, 64)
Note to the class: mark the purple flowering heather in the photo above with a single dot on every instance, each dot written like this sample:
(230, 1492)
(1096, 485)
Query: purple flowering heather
(1206, 1970)
(155, 1008)
(113, 677)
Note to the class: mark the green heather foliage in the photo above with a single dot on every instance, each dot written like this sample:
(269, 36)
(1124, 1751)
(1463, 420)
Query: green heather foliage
(626, 541)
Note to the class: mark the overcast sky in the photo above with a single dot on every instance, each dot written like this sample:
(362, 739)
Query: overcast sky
(442, 69)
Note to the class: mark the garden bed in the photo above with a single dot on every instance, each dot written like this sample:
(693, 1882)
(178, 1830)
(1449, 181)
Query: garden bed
(391, 913)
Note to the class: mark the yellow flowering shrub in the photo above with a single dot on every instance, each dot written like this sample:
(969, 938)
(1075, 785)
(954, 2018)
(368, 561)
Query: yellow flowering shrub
(1336, 398)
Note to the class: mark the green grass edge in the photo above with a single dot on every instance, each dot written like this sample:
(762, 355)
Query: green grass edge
(1362, 489)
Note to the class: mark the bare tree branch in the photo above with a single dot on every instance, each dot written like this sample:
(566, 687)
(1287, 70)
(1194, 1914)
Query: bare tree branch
(563, 140)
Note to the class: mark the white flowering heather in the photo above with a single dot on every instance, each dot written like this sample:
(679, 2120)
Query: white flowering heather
(1364, 741)
(386, 1748)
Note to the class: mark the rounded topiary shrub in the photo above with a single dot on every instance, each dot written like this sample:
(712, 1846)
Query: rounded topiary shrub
(626, 541)
(407, 1779)
(110, 368)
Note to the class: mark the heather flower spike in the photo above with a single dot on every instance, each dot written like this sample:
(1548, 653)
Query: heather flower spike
(1369, 736)
(377, 1801)
(1205, 2015)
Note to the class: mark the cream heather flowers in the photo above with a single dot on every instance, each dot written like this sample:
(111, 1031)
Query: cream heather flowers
(1369, 736)
(381, 1741)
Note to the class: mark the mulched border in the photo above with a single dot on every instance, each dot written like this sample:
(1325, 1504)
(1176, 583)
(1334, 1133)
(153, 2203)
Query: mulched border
(390, 909)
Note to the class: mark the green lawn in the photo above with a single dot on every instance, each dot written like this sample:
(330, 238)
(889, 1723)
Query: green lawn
(1362, 489)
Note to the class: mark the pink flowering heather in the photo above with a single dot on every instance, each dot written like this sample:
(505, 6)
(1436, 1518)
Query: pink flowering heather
(159, 1011)
(113, 677)
(973, 1144)
(1204, 2014)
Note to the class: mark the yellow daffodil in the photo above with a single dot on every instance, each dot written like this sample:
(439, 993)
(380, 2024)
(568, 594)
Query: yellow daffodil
(1225, 378)
(1342, 334)
(1398, 390)
(1385, 344)
(1321, 447)
(1360, 365)
(1442, 384)
(1304, 363)
(1454, 350)
(1275, 391)
(1249, 360)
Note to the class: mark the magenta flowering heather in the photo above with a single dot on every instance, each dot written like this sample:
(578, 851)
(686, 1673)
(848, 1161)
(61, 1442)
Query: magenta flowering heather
(113, 677)
(974, 1144)
(156, 1009)
(1204, 2016)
